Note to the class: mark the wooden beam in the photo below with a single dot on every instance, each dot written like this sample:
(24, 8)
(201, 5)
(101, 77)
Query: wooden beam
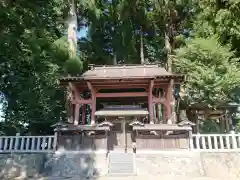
(159, 100)
(94, 102)
(129, 94)
(121, 86)
(150, 101)
(82, 101)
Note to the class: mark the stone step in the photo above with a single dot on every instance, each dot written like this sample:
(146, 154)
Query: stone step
(121, 164)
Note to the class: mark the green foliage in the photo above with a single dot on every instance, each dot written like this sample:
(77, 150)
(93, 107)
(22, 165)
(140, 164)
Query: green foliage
(30, 63)
(74, 66)
(34, 52)
(211, 68)
(221, 19)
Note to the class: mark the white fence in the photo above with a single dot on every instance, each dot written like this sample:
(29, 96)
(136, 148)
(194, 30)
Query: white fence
(215, 142)
(198, 142)
(27, 144)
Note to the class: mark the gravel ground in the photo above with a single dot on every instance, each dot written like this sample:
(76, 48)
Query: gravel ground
(137, 178)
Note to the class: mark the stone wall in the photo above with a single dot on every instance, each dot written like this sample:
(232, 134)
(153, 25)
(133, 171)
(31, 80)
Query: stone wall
(36, 165)
(79, 165)
(169, 164)
(221, 165)
(91, 165)
(21, 165)
(224, 165)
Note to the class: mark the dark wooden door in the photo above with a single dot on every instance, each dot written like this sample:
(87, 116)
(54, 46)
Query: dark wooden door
(120, 137)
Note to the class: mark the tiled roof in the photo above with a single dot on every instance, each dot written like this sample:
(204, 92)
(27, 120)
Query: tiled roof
(125, 71)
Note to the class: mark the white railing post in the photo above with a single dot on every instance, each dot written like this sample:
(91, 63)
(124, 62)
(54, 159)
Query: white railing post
(221, 142)
(1, 142)
(10, 148)
(227, 141)
(38, 143)
(33, 143)
(49, 142)
(43, 143)
(204, 142)
(22, 143)
(16, 141)
(55, 141)
(234, 142)
(197, 137)
(216, 142)
(27, 144)
(5, 143)
(191, 140)
(11, 144)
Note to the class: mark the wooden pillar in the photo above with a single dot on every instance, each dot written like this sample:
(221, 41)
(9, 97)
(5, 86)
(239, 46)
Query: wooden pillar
(76, 114)
(169, 98)
(83, 113)
(150, 101)
(75, 107)
(157, 114)
(94, 102)
(164, 116)
(190, 140)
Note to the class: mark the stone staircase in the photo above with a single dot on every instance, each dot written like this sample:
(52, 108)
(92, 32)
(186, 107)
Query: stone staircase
(121, 164)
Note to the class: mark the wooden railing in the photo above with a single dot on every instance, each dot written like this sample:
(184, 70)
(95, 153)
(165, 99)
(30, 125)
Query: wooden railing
(27, 144)
(215, 142)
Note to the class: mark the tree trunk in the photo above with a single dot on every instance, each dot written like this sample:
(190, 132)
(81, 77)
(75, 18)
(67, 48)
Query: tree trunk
(141, 47)
(72, 40)
(115, 59)
(169, 51)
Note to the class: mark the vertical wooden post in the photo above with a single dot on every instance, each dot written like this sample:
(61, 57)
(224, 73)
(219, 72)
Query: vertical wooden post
(150, 101)
(94, 105)
(157, 114)
(164, 116)
(93, 92)
(124, 134)
(76, 114)
(169, 96)
(83, 113)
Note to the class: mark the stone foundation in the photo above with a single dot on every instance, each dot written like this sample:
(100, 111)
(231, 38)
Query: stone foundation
(21, 165)
(91, 165)
(221, 165)
(169, 164)
(79, 165)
